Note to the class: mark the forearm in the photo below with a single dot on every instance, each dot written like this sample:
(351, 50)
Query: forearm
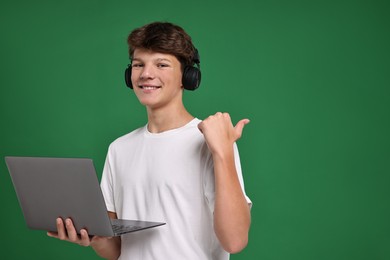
(231, 213)
(107, 248)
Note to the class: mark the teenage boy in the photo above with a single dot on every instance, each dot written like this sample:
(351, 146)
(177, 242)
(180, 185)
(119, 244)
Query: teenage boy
(176, 169)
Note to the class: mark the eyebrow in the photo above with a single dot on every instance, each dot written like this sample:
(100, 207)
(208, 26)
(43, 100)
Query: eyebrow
(164, 59)
(158, 60)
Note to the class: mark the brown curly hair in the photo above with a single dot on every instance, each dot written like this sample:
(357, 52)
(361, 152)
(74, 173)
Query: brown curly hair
(163, 37)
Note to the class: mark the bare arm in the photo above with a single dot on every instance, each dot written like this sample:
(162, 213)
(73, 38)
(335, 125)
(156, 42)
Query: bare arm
(106, 247)
(231, 213)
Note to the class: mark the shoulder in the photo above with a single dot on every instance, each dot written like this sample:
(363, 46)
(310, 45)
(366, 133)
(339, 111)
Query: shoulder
(127, 138)
(193, 125)
(190, 130)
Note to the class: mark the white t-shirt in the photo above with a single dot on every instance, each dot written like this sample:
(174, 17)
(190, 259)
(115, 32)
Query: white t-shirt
(166, 177)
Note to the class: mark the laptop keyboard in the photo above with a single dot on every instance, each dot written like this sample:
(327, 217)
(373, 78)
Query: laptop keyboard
(117, 228)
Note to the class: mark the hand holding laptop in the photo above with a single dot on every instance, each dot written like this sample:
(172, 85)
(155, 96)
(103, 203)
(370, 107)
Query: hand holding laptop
(66, 231)
(104, 246)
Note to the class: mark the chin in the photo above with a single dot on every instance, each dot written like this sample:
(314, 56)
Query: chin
(148, 103)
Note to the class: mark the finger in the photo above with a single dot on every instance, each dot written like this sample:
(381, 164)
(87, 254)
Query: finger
(226, 115)
(52, 234)
(200, 127)
(72, 234)
(61, 229)
(85, 240)
(240, 126)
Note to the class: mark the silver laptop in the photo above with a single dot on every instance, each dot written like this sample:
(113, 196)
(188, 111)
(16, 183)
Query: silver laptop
(48, 188)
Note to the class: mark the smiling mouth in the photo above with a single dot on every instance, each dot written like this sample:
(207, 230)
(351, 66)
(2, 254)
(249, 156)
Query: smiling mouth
(149, 87)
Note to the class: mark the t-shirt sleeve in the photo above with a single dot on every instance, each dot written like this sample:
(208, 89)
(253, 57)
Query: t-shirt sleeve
(239, 173)
(106, 184)
(209, 180)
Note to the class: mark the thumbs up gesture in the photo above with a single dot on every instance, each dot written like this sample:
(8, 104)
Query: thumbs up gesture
(220, 133)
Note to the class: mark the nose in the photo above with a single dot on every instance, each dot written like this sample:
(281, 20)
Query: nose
(147, 72)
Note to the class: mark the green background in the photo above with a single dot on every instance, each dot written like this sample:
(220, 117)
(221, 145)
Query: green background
(313, 77)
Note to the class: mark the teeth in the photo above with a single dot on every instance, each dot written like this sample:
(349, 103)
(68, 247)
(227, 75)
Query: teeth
(149, 87)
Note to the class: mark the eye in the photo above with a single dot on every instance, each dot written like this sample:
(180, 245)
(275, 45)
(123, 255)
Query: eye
(162, 65)
(137, 65)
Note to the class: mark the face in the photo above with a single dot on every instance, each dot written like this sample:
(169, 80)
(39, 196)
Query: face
(156, 78)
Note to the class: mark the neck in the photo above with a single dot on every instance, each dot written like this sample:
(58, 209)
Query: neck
(161, 120)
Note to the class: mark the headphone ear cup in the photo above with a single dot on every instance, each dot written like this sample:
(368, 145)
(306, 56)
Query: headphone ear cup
(128, 77)
(191, 78)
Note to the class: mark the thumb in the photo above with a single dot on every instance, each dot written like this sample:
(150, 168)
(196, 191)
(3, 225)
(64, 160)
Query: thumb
(240, 126)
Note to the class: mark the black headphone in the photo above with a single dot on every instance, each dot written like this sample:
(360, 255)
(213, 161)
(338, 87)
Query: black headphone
(191, 74)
